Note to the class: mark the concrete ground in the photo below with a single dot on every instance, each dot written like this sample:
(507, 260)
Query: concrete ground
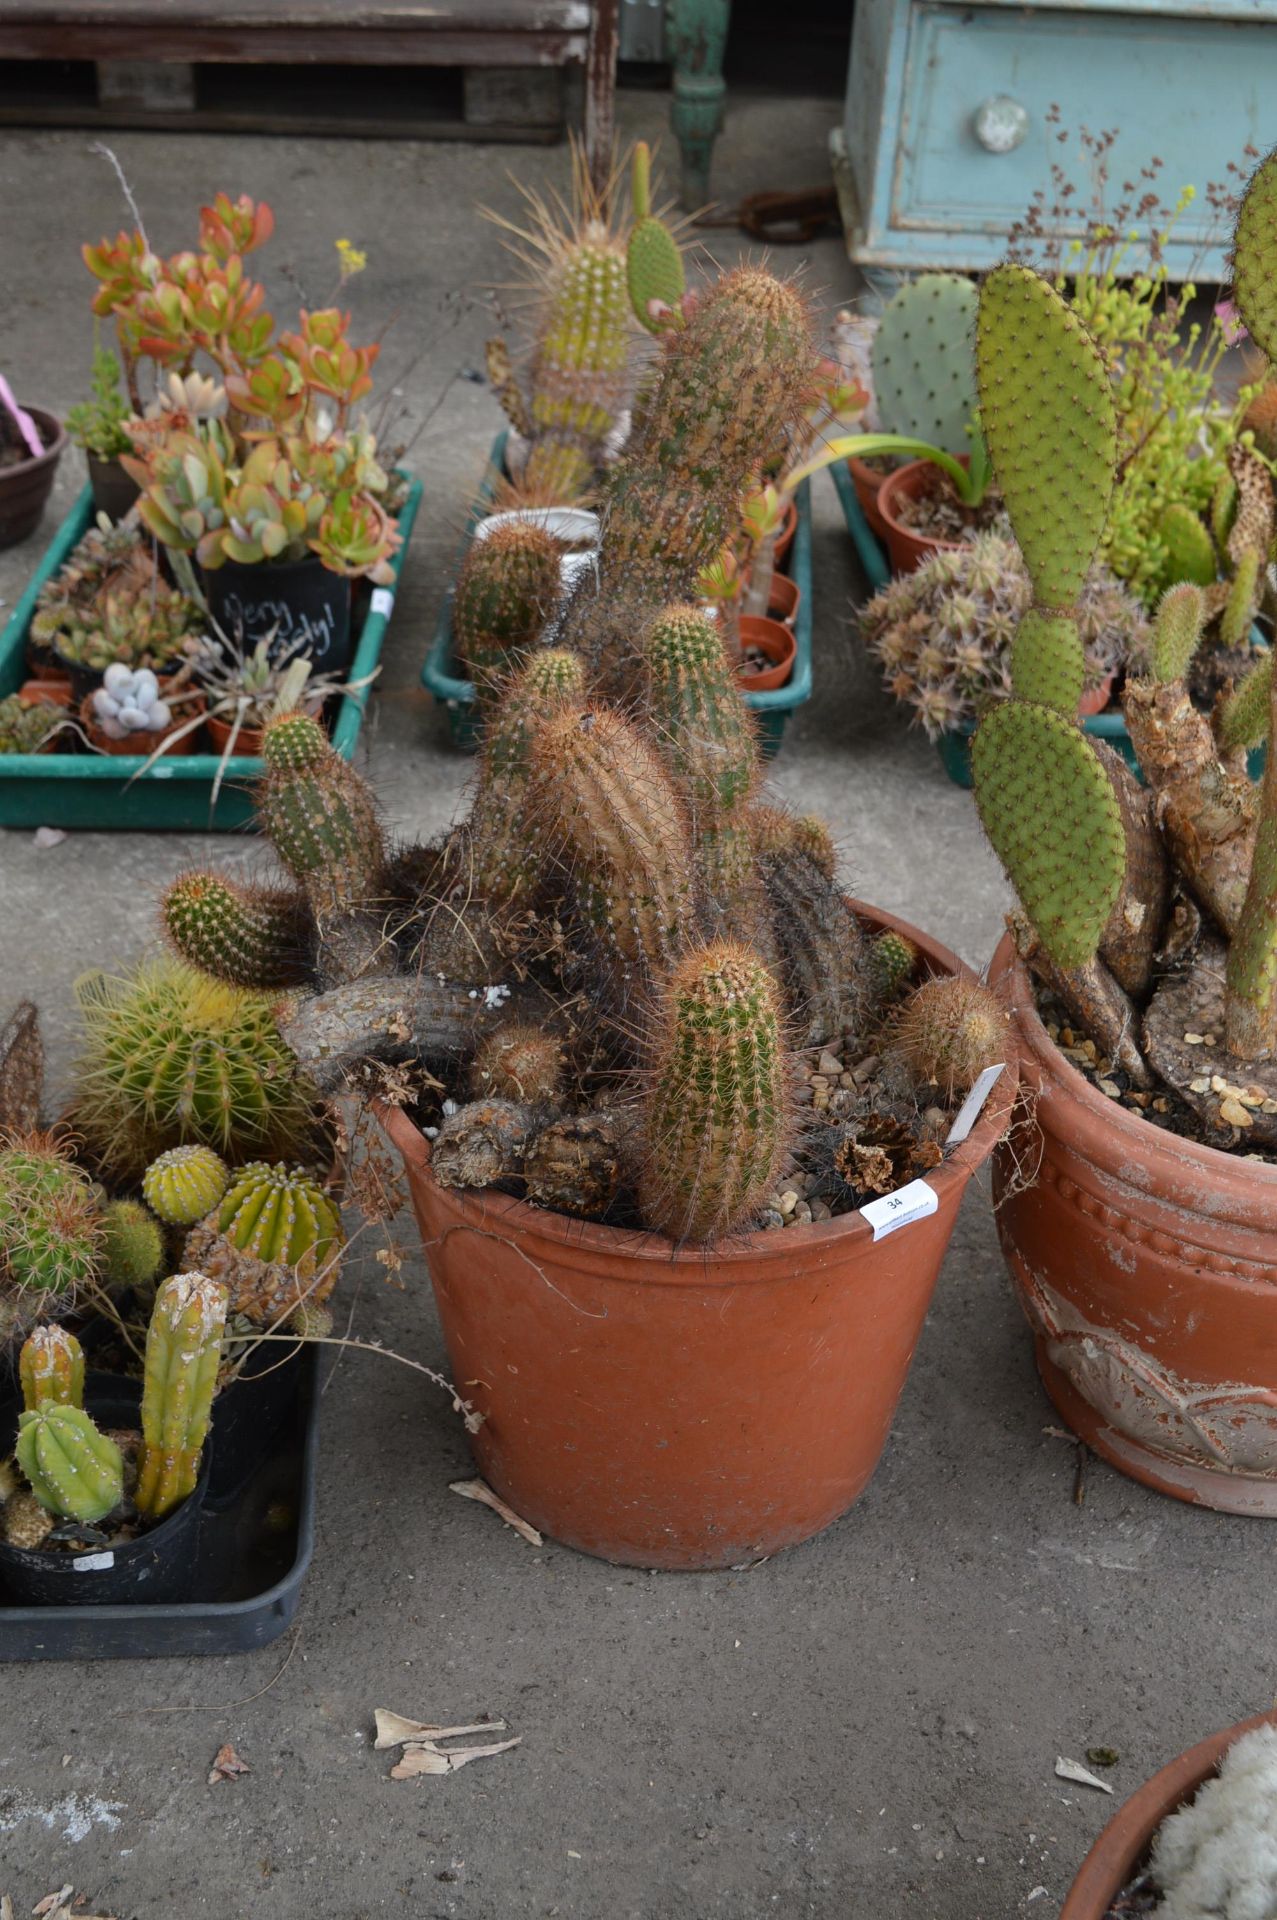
(867, 1726)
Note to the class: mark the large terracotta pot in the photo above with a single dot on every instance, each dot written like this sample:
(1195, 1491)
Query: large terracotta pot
(685, 1409)
(1147, 1268)
(906, 547)
(1119, 1853)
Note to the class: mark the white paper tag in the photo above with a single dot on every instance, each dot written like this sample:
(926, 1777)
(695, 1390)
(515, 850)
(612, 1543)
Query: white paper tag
(383, 601)
(973, 1106)
(93, 1562)
(898, 1209)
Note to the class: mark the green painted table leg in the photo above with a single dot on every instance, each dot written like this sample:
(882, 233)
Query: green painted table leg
(695, 35)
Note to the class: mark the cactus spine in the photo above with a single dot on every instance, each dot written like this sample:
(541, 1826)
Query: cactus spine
(51, 1369)
(716, 1123)
(183, 1352)
(71, 1467)
(184, 1184)
(507, 589)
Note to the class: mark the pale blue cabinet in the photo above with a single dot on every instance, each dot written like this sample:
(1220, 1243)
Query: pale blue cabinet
(945, 133)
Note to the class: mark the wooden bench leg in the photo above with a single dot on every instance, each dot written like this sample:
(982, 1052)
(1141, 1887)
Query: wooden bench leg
(696, 34)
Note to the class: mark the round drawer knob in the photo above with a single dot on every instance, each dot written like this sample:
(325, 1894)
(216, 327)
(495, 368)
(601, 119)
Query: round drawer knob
(1000, 123)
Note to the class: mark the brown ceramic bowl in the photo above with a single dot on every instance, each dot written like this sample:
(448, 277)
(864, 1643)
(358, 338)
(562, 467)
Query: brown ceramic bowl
(25, 487)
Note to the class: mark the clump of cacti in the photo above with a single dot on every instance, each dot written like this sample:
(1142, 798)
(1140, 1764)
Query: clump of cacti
(171, 1058)
(943, 633)
(183, 1353)
(274, 1239)
(50, 1233)
(1098, 862)
(619, 952)
(185, 1184)
(27, 726)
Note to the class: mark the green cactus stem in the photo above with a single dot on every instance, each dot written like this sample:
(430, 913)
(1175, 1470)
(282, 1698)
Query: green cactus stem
(697, 711)
(50, 1232)
(183, 1353)
(1177, 630)
(275, 1240)
(1255, 257)
(1243, 721)
(507, 589)
(258, 937)
(132, 1246)
(507, 861)
(653, 259)
(185, 1184)
(51, 1369)
(1251, 980)
(892, 961)
(823, 962)
(1243, 598)
(716, 1125)
(923, 367)
(1190, 551)
(73, 1469)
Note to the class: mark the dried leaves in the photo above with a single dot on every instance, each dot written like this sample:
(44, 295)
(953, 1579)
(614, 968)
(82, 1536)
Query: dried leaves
(227, 1765)
(480, 1490)
(422, 1753)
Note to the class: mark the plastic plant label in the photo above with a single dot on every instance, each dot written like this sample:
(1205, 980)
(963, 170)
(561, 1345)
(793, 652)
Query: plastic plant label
(899, 1209)
(382, 602)
(973, 1106)
(93, 1562)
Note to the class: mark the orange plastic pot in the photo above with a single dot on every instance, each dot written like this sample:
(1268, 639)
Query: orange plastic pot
(1147, 1268)
(783, 598)
(683, 1409)
(144, 744)
(785, 533)
(906, 547)
(774, 639)
(867, 480)
(1120, 1852)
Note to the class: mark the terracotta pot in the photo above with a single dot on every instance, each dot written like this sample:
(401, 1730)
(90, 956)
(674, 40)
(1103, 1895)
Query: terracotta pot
(1147, 1268)
(113, 491)
(26, 487)
(785, 536)
(777, 641)
(906, 547)
(683, 1409)
(782, 601)
(142, 745)
(867, 480)
(1097, 699)
(56, 693)
(1119, 1853)
(249, 739)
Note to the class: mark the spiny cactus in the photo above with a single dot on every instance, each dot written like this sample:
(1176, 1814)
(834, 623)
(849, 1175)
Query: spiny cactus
(1176, 632)
(1255, 257)
(183, 1353)
(172, 1058)
(322, 819)
(893, 962)
(716, 1125)
(246, 935)
(51, 1369)
(703, 725)
(275, 1240)
(72, 1468)
(820, 944)
(518, 1062)
(506, 591)
(185, 1184)
(949, 1030)
(614, 810)
(923, 374)
(1190, 551)
(653, 259)
(50, 1232)
(132, 1246)
(1244, 719)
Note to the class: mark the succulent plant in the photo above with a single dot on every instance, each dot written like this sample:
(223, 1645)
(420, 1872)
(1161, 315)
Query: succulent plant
(25, 727)
(129, 701)
(73, 1469)
(173, 1058)
(110, 605)
(943, 634)
(275, 1239)
(949, 1030)
(50, 1232)
(51, 1369)
(132, 1246)
(185, 1184)
(183, 1353)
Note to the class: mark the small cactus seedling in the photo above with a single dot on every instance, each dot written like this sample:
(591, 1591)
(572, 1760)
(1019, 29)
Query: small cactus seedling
(717, 1119)
(50, 1232)
(185, 1184)
(949, 1030)
(132, 1246)
(183, 1352)
(653, 259)
(51, 1369)
(893, 962)
(73, 1469)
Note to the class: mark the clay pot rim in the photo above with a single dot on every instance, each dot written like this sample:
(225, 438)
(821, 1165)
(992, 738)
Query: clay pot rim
(1122, 1844)
(662, 1262)
(903, 480)
(46, 422)
(1160, 1155)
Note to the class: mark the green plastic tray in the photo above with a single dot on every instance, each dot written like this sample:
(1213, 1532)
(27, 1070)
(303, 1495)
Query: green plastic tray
(773, 708)
(93, 790)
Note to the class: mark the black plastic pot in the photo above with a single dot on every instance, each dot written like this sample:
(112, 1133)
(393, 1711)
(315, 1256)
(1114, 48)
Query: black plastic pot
(249, 1415)
(84, 680)
(25, 487)
(294, 600)
(156, 1568)
(113, 491)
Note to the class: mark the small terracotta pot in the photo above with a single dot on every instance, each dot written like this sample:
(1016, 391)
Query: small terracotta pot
(1119, 1853)
(785, 535)
(142, 745)
(777, 641)
(782, 601)
(1147, 1268)
(867, 481)
(683, 1408)
(1097, 699)
(249, 739)
(55, 693)
(113, 491)
(25, 488)
(906, 547)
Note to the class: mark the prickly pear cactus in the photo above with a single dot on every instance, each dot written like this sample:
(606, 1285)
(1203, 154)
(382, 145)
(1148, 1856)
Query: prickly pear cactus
(185, 1184)
(1255, 257)
(71, 1467)
(924, 363)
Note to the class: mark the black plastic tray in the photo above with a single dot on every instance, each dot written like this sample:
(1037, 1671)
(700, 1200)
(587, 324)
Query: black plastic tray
(250, 1567)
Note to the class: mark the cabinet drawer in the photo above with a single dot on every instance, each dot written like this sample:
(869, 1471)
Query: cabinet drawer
(1187, 90)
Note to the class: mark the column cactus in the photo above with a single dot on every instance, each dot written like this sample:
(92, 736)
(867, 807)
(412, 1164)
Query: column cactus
(653, 258)
(183, 1353)
(717, 1117)
(507, 589)
(72, 1468)
(51, 1369)
(249, 936)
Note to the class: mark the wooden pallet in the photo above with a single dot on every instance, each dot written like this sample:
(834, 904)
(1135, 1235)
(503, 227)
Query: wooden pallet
(163, 64)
